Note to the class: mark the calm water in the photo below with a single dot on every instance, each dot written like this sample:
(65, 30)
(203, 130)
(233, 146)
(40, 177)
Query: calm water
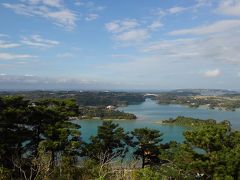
(149, 112)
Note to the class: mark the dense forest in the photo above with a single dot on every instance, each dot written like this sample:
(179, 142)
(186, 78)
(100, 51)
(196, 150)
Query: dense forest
(104, 113)
(194, 122)
(38, 141)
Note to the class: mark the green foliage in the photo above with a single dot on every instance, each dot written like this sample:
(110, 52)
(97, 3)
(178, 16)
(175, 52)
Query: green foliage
(13, 132)
(25, 125)
(148, 174)
(66, 170)
(188, 121)
(227, 102)
(108, 98)
(209, 138)
(110, 142)
(39, 142)
(5, 174)
(146, 143)
(103, 113)
(85, 98)
(222, 157)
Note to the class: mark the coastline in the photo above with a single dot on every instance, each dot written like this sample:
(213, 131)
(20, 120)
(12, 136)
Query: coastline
(105, 119)
(204, 107)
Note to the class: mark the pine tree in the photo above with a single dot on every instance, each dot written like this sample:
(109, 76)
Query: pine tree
(146, 143)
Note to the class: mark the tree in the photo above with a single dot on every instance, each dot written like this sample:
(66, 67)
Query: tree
(50, 122)
(13, 132)
(146, 143)
(24, 125)
(221, 156)
(110, 141)
(46, 113)
(62, 139)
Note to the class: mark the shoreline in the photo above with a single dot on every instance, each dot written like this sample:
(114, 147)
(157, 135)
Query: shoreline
(205, 106)
(106, 119)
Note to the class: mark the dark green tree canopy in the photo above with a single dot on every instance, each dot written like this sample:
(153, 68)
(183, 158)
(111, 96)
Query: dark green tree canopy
(146, 142)
(110, 141)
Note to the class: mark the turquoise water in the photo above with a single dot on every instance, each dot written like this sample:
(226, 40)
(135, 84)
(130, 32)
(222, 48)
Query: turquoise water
(149, 112)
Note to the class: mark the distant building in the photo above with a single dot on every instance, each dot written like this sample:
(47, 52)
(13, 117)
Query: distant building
(110, 107)
(155, 95)
(32, 105)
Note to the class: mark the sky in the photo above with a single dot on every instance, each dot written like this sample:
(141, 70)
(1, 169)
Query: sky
(127, 44)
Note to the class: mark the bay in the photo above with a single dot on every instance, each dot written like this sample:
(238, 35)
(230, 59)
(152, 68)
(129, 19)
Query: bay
(149, 112)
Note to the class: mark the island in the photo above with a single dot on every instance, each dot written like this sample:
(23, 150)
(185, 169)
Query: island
(194, 122)
(104, 113)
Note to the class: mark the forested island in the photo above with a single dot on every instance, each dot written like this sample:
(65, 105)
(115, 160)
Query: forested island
(39, 141)
(104, 113)
(194, 122)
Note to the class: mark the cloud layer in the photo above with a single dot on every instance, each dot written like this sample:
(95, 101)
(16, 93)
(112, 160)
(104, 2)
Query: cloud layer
(212, 73)
(53, 10)
(38, 41)
(8, 56)
(229, 7)
(152, 44)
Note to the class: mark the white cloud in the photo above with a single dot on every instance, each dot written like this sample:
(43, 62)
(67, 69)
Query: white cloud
(20, 8)
(5, 44)
(134, 35)
(217, 27)
(120, 26)
(176, 9)
(229, 7)
(218, 48)
(128, 30)
(8, 56)
(79, 3)
(155, 25)
(52, 3)
(91, 17)
(91, 6)
(63, 18)
(212, 73)
(52, 10)
(131, 30)
(38, 41)
(28, 75)
(159, 12)
(202, 3)
(112, 27)
(129, 24)
(167, 45)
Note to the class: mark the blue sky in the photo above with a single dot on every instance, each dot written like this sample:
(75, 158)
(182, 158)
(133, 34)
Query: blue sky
(147, 44)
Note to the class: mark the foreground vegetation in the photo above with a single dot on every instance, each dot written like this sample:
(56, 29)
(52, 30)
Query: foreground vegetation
(39, 142)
